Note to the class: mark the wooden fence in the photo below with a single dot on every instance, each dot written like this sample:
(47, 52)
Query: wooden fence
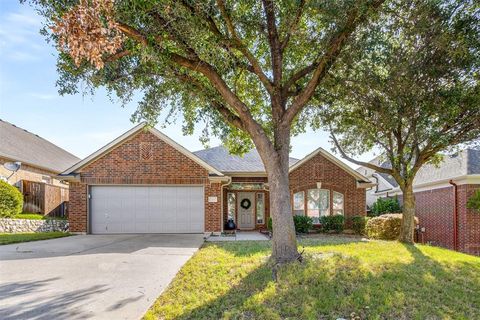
(44, 198)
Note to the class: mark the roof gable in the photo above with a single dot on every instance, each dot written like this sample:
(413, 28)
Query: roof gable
(124, 137)
(18, 144)
(327, 155)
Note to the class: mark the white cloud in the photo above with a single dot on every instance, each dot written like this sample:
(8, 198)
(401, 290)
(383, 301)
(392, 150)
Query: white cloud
(19, 36)
(43, 96)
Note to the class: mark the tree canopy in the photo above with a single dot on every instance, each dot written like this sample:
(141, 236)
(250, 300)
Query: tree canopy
(413, 93)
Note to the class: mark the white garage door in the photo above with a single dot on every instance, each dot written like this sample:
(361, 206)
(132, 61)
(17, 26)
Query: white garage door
(142, 209)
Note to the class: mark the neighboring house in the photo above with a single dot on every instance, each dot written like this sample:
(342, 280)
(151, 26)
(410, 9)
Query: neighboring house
(440, 206)
(143, 182)
(41, 162)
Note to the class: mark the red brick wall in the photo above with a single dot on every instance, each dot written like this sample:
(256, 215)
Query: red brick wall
(435, 209)
(143, 159)
(332, 177)
(469, 221)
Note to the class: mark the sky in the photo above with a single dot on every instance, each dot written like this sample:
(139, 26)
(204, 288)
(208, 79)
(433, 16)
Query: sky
(79, 124)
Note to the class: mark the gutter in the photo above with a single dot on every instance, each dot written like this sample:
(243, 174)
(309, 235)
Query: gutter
(229, 180)
(455, 215)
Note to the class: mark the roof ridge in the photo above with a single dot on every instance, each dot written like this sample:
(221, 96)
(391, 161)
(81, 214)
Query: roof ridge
(36, 135)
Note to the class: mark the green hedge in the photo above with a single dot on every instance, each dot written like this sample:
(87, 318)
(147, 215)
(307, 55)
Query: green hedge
(385, 227)
(474, 201)
(302, 224)
(358, 224)
(334, 223)
(385, 205)
(11, 200)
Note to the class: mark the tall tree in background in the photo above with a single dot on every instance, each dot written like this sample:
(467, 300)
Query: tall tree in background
(414, 95)
(246, 68)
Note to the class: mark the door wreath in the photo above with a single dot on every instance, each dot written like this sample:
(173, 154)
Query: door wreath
(245, 204)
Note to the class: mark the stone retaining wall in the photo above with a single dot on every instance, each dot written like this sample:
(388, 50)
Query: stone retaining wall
(26, 225)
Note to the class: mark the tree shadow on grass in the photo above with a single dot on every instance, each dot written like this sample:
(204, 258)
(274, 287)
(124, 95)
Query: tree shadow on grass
(333, 285)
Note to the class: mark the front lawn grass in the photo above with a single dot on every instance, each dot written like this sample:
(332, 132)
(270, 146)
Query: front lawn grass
(34, 216)
(8, 238)
(373, 280)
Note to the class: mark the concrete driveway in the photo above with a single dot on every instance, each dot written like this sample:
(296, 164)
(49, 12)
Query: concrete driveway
(90, 276)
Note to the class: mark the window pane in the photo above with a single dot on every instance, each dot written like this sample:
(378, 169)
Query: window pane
(337, 203)
(324, 204)
(231, 206)
(313, 198)
(299, 203)
(260, 208)
(318, 203)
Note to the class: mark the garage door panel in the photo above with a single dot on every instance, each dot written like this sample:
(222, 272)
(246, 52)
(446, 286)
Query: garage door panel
(147, 209)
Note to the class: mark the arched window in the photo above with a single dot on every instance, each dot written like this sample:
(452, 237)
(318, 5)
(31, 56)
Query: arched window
(318, 203)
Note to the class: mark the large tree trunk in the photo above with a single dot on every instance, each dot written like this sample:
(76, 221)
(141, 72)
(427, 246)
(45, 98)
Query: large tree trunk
(408, 221)
(277, 165)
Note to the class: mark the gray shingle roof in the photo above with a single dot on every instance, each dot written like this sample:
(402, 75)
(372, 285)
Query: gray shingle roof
(220, 158)
(18, 144)
(465, 162)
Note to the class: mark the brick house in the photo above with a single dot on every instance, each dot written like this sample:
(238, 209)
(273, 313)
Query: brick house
(41, 162)
(144, 182)
(441, 194)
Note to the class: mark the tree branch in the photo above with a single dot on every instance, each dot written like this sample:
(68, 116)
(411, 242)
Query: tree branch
(360, 163)
(293, 26)
(273, 39)
(333, 50)
(240, 46)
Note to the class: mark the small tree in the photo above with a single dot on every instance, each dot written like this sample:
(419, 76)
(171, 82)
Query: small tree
(414, 95)
(474, 201)
(11, 200)
(385, 205)
(246, 68)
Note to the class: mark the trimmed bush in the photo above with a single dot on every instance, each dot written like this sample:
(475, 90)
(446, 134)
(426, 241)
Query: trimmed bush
(474, 201)
(303, 224)
(11, 200)
(358, 224)
(385, 227)
(334, 223)
(385, 205)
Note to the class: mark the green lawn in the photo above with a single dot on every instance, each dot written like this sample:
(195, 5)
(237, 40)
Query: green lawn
(374, 280)
(8, 238)
(34, 216)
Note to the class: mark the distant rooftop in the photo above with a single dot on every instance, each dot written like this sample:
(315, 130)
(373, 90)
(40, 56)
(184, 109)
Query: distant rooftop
(18, 144)
(221, 159)
(465, 162)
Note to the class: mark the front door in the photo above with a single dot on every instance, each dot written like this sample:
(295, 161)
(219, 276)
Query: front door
(246, 204)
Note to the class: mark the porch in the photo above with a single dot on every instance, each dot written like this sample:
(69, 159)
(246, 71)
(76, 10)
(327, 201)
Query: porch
(239, 236)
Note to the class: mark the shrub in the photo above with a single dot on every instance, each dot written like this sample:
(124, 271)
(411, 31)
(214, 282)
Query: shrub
(334, 223)
(11, 200)
(385, 227)
(385, 205)
(303, 224)
(474, 201)
(269, 224)
(358, 224)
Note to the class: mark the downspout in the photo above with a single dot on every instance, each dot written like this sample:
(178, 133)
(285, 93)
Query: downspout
(455, 215)
(229, 180)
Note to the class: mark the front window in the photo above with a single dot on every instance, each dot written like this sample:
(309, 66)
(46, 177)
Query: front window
(318, 203)
(231, 206)
(299, 203)
(260, 208)
(337, 203)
